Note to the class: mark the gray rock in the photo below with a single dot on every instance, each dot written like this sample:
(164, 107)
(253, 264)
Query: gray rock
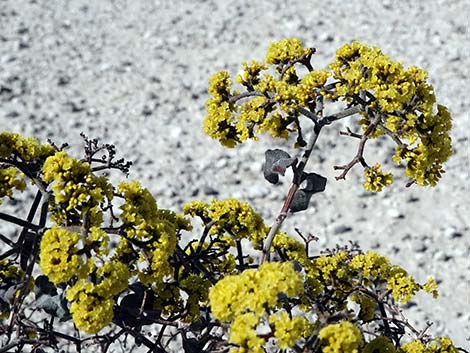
(341, 229)
(452, 232)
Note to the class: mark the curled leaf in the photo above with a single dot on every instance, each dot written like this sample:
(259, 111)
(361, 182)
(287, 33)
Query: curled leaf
(55, 305)
(300, 201)
(276, 162)
(315, 183)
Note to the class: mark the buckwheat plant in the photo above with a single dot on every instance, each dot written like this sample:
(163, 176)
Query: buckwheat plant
(94, 264)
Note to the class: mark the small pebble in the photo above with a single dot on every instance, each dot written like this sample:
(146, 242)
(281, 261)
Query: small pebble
(452, 233)
(210, 191)
(341, 229)
(395, 214)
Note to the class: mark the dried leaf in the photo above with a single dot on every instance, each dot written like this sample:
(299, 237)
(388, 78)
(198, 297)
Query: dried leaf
(276, 162)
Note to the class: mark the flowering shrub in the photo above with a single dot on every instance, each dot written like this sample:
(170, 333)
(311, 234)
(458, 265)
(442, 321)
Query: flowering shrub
(112, 262)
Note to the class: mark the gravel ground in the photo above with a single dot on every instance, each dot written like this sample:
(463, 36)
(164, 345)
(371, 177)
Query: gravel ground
(134, 73)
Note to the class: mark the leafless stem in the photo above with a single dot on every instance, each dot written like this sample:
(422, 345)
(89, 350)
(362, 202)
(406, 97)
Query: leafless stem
(393, 136)
(359, 157)
(348, 132)
(304, 59)
(236, 98)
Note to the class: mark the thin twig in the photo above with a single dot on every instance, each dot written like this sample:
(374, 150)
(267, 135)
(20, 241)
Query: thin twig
(359, 157)
(234, 99)
(393, 136)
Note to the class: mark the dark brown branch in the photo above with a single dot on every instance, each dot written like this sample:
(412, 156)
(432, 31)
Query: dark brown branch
(19, 221)
(6, 240)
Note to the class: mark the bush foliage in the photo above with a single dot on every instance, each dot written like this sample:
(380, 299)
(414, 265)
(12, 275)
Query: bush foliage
(93, 263)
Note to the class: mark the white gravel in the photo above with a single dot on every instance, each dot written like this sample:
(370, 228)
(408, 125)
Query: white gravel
(134, 73)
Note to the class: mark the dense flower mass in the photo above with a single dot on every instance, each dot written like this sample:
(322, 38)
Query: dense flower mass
(113, 251)
(341, 337)
(272, 101)
(77, 191)
(90, 311)
(376, 179)
(406, 103)
(439, 345)
(285, 50)
(254, 290)
(244, 300)
(289, 329)
(230, 216)
(92, 302)
(277, 96)
(27, 149)
(58, 257)
(153, 228)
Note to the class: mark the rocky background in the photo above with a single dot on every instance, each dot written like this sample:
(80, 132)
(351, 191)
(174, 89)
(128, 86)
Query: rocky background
(134, 73)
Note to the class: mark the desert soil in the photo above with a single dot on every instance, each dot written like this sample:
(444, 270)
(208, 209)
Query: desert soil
(134, 73)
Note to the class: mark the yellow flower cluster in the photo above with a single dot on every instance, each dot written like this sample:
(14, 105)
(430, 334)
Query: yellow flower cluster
(360, 67)
(406, 102)
(27, 149)
(402, 97)
(293, 249)
(59, 260)
(341, 337)
(403, 287)
(10, 178)
(424, 161)
(288, 329)
(286, 50)
(376, 179)
(244, 300)
(230, 216)
(439, 345)
(219, 120)
(92, 304)
(273, 105)
(251, 73)
(66, 255)
(77, 191)
(254, 290)
(154, 229)
(15, 146)
(345, 271)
